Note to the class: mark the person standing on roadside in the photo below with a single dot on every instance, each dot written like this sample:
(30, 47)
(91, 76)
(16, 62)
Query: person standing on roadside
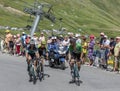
(117, 53)
(8, 39)
(84, 49)
(102, 50)
(42, 37)
(23, 37)
(2, 45)
(18, 44)
(111, 47)
(91, 49)
(106, 44)
(35, 39)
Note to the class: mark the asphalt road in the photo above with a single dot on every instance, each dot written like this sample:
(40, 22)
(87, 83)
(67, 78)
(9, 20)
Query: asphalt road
(14, 77)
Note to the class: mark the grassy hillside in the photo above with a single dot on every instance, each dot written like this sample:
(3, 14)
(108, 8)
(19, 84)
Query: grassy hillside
(92, 16)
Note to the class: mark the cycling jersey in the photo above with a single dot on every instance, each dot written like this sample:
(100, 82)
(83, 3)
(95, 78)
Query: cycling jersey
(32, 52)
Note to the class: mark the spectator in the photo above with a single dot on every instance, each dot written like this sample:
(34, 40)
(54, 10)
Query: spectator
(2, 45)
(102, 38)
(84, 49)
(35, 39)
(112, 46)
(66, 41)
(23, 38)
(42, 37)
(116, 53)
(91, 49)
(78, 40)
(18, 44)
(8, 39)
(106, 43)
(102, 50)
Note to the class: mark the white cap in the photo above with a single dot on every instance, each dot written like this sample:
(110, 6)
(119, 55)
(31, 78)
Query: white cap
(117, 37)
(69, 33)
(61, 35)
(15, 36)
(23, 32)
(102, 33)
(55, 37)
(105, 36)
(49, 41)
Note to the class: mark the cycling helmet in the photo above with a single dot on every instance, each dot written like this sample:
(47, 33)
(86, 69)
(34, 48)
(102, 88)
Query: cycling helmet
(52, 38)
(32, 42)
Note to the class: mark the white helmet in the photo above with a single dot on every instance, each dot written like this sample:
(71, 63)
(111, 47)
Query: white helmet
(55, 37)
(52, 38)
(77, 35)
(32, 42)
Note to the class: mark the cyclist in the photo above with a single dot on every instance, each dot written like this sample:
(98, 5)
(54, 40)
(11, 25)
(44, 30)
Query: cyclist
(42, 49)
(75, 51)
(31, 53)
